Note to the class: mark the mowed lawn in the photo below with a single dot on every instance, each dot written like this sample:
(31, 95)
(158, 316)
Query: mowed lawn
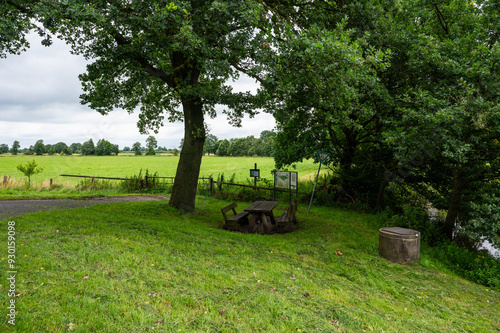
(129, 165)
(144, 267)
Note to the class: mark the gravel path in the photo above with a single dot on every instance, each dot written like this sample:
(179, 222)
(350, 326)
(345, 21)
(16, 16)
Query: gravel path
(11, 208)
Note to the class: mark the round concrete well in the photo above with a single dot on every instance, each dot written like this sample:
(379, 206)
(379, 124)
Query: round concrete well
(399, 244)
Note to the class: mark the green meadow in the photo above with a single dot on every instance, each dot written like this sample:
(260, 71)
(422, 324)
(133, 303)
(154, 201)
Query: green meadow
(129, 165)
(144, 267)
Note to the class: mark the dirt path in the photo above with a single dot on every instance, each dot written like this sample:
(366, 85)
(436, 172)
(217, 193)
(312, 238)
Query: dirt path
(12, 208)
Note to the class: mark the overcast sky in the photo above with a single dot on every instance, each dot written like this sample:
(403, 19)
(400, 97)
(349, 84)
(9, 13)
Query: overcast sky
(39, 99)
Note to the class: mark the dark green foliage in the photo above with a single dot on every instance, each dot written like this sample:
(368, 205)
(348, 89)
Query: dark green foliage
(15, 148)
(151, 145)
(4, 148)
(138, 183)
(223, 149)
(136, 147)
(103, 148)
(39, 148)
(88, 148)
(76, 148)
(475, 266)
(97, 185)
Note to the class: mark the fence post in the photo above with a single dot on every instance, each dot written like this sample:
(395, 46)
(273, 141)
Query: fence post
(5, 178)
(93, 183)
(50, 182)
(211, 185)
(146, 181)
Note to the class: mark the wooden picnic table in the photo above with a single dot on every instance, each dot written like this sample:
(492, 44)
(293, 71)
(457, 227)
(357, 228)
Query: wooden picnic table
(259, 212)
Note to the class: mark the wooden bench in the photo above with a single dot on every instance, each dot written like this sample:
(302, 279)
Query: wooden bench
(234, 222)
(288, 218)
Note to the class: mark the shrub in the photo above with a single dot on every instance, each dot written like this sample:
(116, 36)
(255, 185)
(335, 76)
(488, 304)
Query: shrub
(98, 184)
(475, 266)
(137, 183)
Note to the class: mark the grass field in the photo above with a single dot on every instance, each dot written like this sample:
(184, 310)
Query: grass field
(143, 267)
(128, 165)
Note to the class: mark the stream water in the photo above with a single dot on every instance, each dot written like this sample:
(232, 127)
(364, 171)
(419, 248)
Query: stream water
(494, 251)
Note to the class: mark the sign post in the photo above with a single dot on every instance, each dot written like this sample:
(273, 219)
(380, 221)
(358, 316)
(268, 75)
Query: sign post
(255, 173)
(322, 157)
(286, 180)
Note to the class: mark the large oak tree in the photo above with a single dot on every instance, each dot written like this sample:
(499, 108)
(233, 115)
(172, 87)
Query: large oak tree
(168, 59)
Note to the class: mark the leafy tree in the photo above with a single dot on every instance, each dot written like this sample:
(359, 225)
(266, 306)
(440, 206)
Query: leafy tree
(66, 151)
(39, 148)
(88, 148)
(327, 96)
(4, 149)
(452, 63)
(51, 151)
(103, 148)
(29, 169)
(151, 145)
(154, 56)
(15, 148)
(76, 148)
(59, 147)
(223, 149)
(267, 134)
(209, 146)
(136, 147)
(115, 149)
(240, 146)
(126, 148)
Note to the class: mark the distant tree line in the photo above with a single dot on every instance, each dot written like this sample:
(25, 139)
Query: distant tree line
(102, 148)
(264, 145)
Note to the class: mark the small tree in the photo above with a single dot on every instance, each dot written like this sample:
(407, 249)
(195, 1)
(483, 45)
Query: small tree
(15, 148)
(88, 148)
(29, 169)
(39, 148)
(136, 147)
(151, 145)
(4, 149)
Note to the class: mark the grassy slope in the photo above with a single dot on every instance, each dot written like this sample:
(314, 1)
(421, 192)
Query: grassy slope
(151, 267)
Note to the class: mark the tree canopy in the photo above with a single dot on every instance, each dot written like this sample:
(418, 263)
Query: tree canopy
(403, 94)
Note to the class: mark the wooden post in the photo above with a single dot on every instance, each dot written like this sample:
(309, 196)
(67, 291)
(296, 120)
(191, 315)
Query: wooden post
(146, 181)
(211, 185)
(255, 189)
(5, 178)
(93, 182)
(50, 182)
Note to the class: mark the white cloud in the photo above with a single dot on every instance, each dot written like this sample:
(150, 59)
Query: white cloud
(39, 99)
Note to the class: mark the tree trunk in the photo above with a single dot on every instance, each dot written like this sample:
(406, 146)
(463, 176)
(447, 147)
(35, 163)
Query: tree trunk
(188, 170)
(454, 205)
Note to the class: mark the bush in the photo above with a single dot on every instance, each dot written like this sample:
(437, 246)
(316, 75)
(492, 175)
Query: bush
(475, 266)
(137, 183)
(98, 184)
